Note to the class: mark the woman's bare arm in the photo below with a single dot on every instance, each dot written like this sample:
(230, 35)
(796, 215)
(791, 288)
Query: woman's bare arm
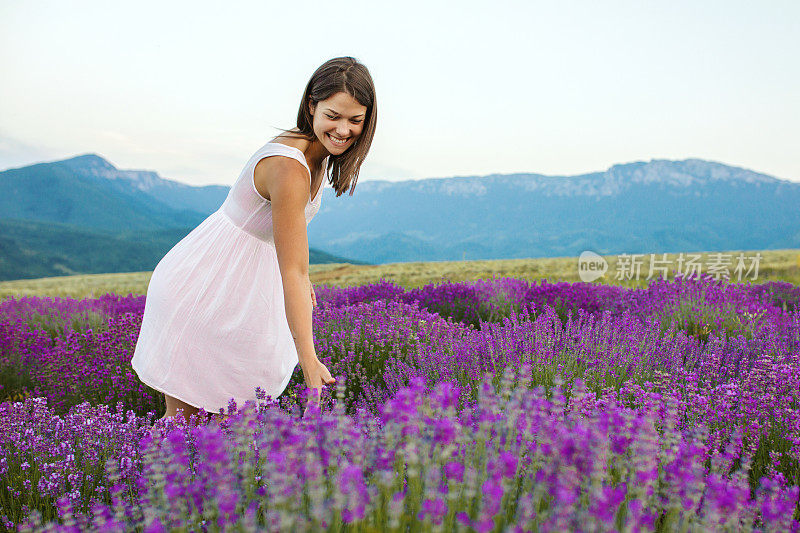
(288, 184)
(288, 187)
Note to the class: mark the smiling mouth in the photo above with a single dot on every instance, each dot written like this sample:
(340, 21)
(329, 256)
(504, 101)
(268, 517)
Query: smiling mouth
(338, 142)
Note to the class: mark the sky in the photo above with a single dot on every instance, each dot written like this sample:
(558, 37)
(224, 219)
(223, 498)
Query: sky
(192, 89)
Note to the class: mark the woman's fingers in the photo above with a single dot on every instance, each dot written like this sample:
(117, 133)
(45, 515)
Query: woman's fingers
(318, 377)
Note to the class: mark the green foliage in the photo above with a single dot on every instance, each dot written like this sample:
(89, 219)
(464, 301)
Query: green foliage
(107, 349)
(565, 310)
(471, 312)
(15, 378)
(498, 308)
(57, 326)
(700, 320)
(774, 454)
(361, 356)
(785, 299)
(458, 310)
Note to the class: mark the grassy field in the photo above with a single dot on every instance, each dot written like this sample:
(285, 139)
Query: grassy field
(781, 265)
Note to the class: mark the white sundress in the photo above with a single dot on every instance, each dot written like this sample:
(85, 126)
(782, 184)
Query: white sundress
(214, 324)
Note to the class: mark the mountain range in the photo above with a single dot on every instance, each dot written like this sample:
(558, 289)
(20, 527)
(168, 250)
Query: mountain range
(83, 215)
(641, 207)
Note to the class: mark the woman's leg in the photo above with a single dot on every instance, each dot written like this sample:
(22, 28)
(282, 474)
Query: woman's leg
(173, 404)
(188, 410)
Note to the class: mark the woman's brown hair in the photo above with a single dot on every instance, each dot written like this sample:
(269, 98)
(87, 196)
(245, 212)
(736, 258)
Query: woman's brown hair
(340, 74)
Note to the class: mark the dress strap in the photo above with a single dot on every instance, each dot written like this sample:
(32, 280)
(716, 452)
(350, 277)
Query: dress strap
(289, 151)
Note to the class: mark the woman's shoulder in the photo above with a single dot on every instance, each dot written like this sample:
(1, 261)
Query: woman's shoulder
(271, 173)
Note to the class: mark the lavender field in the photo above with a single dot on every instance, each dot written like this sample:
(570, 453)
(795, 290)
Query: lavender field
(498, 405)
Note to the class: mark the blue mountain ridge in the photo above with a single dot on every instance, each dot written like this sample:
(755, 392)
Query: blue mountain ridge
(651, 206)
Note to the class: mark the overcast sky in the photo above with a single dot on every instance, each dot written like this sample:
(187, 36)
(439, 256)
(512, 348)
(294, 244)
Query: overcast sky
(192, 89)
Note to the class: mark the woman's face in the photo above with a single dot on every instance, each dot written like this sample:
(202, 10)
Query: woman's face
(340, 117)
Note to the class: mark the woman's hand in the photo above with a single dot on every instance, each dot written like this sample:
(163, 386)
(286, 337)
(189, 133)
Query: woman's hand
(316, 376)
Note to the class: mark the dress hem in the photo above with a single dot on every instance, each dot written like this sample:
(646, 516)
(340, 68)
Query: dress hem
(283, 386)
(159, 389)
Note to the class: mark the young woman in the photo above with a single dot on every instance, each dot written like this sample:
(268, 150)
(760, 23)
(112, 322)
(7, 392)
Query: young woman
(229, 307)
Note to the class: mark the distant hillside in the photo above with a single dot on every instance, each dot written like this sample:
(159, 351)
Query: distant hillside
(83, 215)
(178, 196)
(80, 191)
(36, 249)
(642, 207)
